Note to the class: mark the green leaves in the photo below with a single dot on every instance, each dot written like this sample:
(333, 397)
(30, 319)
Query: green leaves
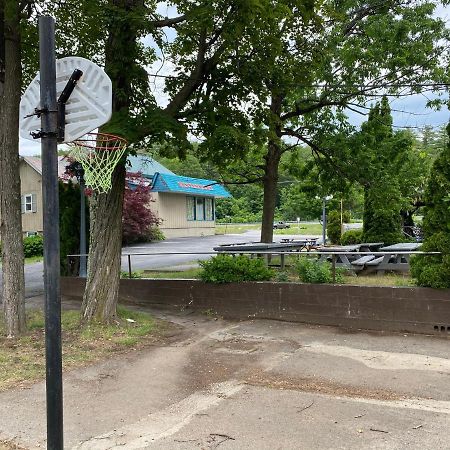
(229, 269)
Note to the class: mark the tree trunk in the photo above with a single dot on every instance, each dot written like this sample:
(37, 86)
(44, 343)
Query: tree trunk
(102, 285)
(272, 161)
(103, 278)
(270, 191)
(13, 290)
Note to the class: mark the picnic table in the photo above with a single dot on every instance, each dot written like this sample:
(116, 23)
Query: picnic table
(358, 257)
(255, 247)
(396, 260)
(266, 250)
(307, 243)
(342, 259)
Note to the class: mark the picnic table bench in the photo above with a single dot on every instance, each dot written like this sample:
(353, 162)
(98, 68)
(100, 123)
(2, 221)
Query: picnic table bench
(395, 261)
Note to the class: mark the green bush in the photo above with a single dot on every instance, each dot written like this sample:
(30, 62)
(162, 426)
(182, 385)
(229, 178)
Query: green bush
(313, 271)
(334, 225)
(434, 270)
(33, 246)
(229, 269)
(352, 237)
(155, 234)
(134, 274)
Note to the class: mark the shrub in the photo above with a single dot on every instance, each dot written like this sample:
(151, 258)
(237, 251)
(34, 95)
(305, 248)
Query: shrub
(313, 271)
(155, 234)
(138, 220)
(229, 269)
(334, 225)
(282, 277)
(33, 246)
(134, 274)
(352, 237)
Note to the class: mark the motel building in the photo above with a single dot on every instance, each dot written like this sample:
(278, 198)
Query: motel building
(185, 206)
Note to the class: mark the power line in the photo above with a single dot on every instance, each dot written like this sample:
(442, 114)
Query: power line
(385, 85)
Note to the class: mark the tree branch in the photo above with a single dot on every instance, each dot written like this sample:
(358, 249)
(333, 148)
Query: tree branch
(168, 22)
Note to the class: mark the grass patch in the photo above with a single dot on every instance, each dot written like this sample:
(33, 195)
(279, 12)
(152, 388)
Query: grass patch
(185, 274)
(33, 259)
(394, 280)
(23, 360)
(305, 229)
(236, 228)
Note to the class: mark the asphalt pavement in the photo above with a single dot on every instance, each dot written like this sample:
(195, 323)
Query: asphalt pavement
(257, 384)
(34, 282)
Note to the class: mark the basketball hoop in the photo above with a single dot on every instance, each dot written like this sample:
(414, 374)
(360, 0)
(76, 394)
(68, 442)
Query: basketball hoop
(99, 154)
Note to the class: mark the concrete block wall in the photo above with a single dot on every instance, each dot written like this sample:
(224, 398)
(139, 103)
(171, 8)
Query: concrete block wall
(407, 309)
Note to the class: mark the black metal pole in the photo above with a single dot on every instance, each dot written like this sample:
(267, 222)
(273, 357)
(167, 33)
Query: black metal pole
(83, 260)
(324, 221)
(50, 194)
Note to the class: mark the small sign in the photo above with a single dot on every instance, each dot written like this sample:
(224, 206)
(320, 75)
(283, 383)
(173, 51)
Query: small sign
(194, 186)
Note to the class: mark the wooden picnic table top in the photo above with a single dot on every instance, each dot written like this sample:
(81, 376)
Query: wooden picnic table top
(342, 248)
(259, 246)
(402, 247)
(371, 244)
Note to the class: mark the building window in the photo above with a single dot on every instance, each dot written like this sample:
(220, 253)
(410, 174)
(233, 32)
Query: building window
(209, 209)
(190, 203)
(200, 208)
(28, 203)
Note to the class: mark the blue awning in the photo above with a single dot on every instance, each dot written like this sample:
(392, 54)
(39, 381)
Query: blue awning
(163, 182)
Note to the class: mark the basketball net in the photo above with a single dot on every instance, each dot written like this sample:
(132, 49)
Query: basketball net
(99, 154)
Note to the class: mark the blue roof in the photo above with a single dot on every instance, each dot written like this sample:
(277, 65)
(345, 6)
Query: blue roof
(146, 165)
(163, 182)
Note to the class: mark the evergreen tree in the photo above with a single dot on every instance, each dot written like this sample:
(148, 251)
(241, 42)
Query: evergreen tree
(384, 151)
(434, 270)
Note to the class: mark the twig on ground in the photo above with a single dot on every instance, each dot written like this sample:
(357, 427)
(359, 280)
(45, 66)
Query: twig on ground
(379, 431)
(417, 427)
(214, 444)
(306, 407)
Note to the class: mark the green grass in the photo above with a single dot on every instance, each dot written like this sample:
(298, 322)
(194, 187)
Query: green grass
(394, 280)
(185, 274)
(34, 259)
(289, 274)
(237, 228)
(30, 260)
(23, 360)
(305, 229)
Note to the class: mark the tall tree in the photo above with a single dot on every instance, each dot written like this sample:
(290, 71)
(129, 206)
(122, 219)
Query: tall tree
(293, 76)
(434, 270)
(13, 291)
(211, 29)
(384, 154)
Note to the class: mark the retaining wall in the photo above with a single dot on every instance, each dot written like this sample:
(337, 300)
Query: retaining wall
(417, 310)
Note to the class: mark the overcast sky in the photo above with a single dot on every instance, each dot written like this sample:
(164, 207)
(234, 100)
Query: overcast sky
(415, 113)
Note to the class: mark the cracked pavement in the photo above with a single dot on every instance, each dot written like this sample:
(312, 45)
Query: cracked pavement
(251, 385)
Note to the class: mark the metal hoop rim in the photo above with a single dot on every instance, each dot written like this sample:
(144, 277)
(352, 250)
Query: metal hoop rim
(100, 141)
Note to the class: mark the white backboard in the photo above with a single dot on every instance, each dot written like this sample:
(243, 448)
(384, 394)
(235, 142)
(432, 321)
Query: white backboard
(89, 106)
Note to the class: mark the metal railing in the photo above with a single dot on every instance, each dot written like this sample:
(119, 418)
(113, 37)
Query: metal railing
(268, 254)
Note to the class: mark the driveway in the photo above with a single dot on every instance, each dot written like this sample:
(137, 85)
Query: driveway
(251, 385)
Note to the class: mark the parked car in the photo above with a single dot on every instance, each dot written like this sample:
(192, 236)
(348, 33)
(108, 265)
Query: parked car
(280, 225)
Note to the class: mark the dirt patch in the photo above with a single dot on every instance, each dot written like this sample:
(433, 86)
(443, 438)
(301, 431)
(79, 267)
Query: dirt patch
(22, 360)
(280, 381)
(8, 445)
